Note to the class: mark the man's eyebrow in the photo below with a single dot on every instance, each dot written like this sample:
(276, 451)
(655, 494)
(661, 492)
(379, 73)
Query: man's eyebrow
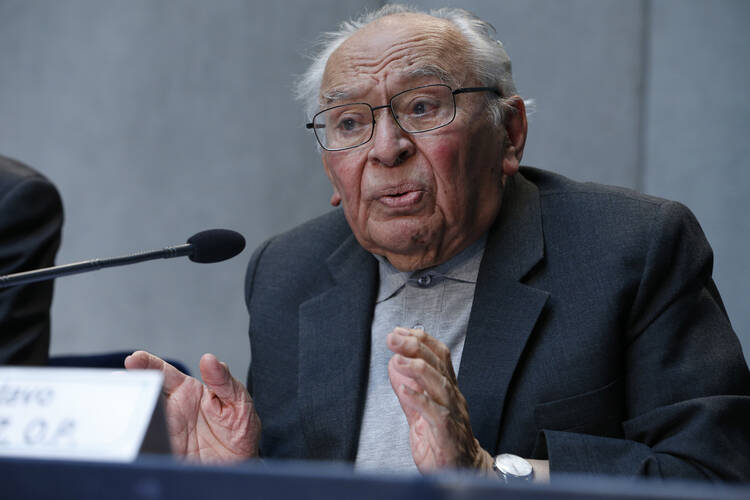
(431, 70)
(334, 95)
(339, 94)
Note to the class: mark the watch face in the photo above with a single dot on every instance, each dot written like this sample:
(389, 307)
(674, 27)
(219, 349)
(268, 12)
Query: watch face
(513, 465)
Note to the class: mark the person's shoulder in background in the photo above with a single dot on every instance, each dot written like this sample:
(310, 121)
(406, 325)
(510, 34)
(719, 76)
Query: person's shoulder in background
(31, 217)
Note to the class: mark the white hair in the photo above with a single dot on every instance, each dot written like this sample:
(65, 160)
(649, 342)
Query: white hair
(487, 57)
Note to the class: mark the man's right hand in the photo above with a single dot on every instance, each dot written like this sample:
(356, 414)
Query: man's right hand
(215, 422)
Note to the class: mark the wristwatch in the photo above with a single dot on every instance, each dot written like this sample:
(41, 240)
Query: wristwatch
(512, 468)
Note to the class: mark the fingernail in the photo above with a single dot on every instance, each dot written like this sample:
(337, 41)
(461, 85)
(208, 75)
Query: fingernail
(401, 331)
(401, 360)
(396, 340)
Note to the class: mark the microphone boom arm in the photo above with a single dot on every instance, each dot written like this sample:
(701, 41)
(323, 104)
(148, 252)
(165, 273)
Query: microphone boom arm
(47, 273)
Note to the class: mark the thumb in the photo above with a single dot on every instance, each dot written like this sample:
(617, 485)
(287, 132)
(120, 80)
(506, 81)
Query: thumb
(217, 378)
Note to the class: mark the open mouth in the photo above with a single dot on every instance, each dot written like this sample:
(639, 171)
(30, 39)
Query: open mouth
(402, 199)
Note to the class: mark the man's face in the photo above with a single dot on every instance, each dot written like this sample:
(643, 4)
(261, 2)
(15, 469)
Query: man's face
(417, 199)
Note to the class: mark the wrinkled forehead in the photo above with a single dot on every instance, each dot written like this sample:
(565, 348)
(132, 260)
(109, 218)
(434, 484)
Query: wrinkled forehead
(396, 50)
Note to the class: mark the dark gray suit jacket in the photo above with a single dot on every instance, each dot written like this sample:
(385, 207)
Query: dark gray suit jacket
(30, 221)
(597, 338)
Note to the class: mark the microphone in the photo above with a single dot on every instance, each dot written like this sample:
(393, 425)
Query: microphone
(213, 245)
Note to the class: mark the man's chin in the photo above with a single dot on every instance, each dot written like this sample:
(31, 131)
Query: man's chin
(403, 235)
(408, 246)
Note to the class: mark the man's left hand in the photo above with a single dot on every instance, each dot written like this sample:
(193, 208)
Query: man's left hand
(421, 374)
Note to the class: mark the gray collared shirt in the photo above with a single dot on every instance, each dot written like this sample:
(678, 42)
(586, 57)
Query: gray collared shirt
(437, 300)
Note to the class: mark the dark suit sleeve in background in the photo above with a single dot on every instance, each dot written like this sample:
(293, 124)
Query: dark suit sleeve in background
(686, 383)
(30, 225)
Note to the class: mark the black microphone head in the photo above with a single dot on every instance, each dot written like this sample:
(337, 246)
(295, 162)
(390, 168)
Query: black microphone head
(215, 245)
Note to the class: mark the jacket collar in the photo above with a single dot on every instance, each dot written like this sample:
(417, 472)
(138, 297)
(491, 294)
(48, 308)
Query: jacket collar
(504, 311)
(334, 353)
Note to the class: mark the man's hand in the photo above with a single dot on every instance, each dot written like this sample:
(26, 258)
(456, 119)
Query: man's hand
(215, 422)
(422, 376)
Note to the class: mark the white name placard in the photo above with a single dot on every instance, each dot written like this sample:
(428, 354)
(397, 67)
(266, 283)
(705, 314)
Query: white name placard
(76, 413)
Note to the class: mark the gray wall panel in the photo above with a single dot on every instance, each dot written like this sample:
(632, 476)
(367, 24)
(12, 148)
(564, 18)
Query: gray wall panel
(698, 121)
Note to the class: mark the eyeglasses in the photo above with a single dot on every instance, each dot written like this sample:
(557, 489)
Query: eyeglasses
(416, 110)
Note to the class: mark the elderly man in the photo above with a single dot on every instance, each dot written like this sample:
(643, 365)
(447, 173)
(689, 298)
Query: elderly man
(581, 321)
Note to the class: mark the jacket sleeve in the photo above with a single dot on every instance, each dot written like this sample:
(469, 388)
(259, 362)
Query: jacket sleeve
(686, 383)
(31, 218)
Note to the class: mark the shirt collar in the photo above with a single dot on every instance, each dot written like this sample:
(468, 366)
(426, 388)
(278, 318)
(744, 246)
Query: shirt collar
(463, 267)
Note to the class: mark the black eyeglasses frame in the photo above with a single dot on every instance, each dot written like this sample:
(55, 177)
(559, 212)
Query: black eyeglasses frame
(463, 90)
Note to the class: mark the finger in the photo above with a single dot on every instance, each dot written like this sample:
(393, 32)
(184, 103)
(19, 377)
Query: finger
(400, 341)
(429, 380)
(397, 380)
(142, 360)
(434, 414)
(217, 377)
(437, 347)
(432, 345)
(139, 360)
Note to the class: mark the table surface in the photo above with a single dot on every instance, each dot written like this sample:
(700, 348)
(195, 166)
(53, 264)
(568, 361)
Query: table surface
(156, 477)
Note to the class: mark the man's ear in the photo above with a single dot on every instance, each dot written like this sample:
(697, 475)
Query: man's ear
(514, 121)
(335, 197)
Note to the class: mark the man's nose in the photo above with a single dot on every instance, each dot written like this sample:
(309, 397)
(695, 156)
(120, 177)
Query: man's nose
(391, 146)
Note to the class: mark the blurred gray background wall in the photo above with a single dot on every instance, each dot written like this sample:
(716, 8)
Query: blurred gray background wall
(157, 119)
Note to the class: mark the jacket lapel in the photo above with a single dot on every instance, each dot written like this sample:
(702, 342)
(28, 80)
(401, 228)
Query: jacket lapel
(504, 311)
(334, 352)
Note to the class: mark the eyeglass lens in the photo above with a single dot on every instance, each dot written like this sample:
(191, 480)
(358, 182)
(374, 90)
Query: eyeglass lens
(415, 110)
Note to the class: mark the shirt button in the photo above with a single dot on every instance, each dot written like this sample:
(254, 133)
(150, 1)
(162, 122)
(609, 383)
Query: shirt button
(424, 281)
(418, 326)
